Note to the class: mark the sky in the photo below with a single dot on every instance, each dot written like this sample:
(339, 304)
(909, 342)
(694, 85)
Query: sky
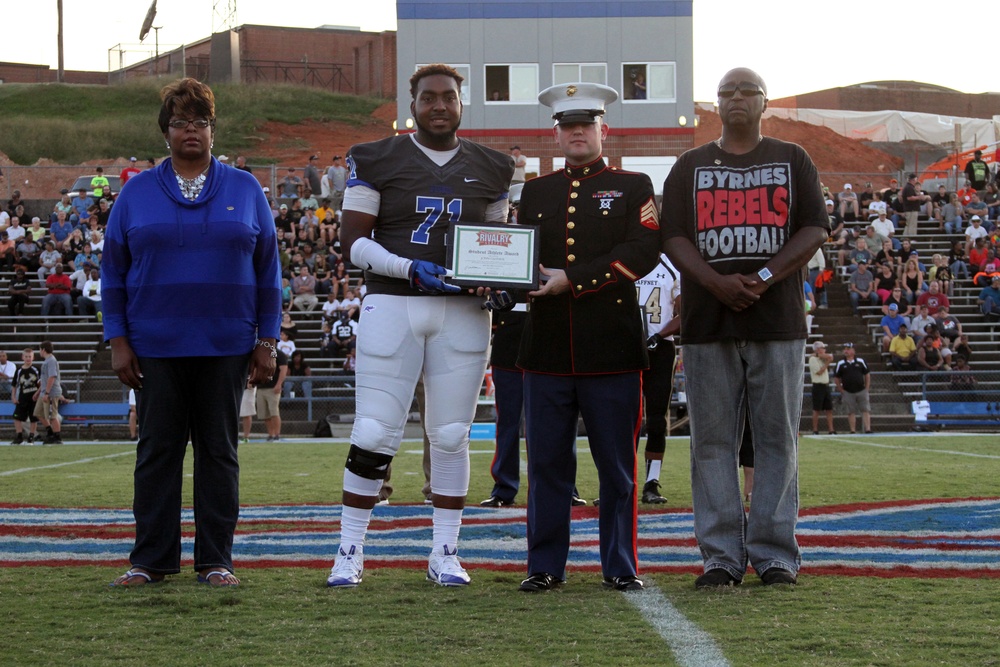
(796, 45)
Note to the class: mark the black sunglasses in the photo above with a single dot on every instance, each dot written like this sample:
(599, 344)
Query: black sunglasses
(746, 89)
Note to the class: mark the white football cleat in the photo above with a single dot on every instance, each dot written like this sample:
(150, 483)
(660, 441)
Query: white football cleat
(348, 568)
(444, 569)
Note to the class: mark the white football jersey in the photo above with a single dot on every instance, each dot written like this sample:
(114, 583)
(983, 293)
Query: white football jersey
(657, 292)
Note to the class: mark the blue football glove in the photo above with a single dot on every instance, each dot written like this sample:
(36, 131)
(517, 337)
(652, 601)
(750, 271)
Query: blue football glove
(499, 301)
(424, 277)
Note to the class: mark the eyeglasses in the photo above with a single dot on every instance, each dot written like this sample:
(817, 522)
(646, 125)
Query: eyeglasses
(745, 88)
(182, 123)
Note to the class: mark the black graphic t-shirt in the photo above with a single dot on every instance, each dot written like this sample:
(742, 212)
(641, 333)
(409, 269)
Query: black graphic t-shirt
(739, 211)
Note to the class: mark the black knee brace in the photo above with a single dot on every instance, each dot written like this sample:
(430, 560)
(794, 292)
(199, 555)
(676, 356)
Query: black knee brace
(369, 465)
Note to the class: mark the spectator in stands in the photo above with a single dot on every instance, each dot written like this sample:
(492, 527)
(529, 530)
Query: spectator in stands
(953, 215)
(885, 281)
(875, 206)
(308, 200)
(345, 334)
(819, 374)
(962, 380)
(903, 350)
(7, 371)
(340, 279)
(7, 252)
(295, 212)
(309, 223)
(284, 223)
(311, 174)
(978, 207)
(861, 253)
(912, 280)
(288, 325)
(89, 303)
(47, 261)
(948, 324)
(992, 201)
(940, 272)
(350, 362)
(129, 171)
(850, 210)
(27, 252)
(891, 324)
(77, 280)
(914, 200)
(100, 185)
(963, 348)
(965, 193)
(853, 382)
(933, 297)
(18, 292)
(939, 201)
(929, 357)
(897, 299)
(338, 182)
(327, 346)
(836, 220)
(958, 259)
(298, 368)
(882, 227)
(103, 213)
(977, 255)
(73, 247)
(97, 242)
(974, 232)
(872, 239)
(191, 315)
(60, 229)
(37, 231)
(87, 255)
(81, 204)
(328, 228)
(15, 231)
(889, 255)
(304, 288)
(989, 268)
(290, 186)
(861, 286)
(269, 399)
(331, 307)
(977, 171)
(919, 324)
(241, 164)
(286, 344)
(351, 304)
(865, 198)
(58, 286)
(989, 299)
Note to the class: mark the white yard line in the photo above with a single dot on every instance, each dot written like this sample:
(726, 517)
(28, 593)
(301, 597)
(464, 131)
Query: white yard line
(8, 473)
(691, 646)
(916, 449)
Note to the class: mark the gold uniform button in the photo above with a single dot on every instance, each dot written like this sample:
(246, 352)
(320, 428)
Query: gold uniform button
(604, 212)
(571, 258)
(579, 287)
(570, 225)
(574, 195)
(608, 276)
(572, 209)
(619, 301)
(594, 281)
(576, 184)
(570, 241)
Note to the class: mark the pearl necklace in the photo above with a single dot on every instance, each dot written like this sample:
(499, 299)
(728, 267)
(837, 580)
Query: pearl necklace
(191, 187)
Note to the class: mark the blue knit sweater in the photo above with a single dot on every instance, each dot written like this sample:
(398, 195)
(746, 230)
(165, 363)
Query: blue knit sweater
(191, 279)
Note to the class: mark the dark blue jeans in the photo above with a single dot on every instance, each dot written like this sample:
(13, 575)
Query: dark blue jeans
(182, 398)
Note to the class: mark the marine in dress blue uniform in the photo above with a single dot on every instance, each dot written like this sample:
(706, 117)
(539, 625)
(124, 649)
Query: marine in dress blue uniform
(583, 348)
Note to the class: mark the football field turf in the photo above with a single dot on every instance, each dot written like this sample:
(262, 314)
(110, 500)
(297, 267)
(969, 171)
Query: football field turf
(901, 558)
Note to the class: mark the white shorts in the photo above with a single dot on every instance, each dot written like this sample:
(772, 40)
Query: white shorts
(248, 404)
(444, 338)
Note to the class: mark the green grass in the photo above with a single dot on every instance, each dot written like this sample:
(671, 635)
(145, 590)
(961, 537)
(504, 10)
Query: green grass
(72, 123)
(285, 616)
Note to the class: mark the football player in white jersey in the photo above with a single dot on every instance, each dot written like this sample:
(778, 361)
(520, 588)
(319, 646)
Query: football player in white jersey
(659, 294)
(401, 194)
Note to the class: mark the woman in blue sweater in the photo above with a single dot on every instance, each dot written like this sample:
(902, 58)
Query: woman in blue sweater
(192, 304)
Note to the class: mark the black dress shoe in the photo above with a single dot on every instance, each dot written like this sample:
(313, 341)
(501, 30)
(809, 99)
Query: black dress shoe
(577, 501)
(777, 575)
(651, 493)
(716, 578)
(540, 581)
(493, 501)
(629, 582)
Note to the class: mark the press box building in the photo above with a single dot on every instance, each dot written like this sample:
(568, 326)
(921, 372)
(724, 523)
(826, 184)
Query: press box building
(509, 50)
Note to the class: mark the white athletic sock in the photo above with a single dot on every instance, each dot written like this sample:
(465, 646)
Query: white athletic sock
(653, 470)
(446, 526)
(353, 526)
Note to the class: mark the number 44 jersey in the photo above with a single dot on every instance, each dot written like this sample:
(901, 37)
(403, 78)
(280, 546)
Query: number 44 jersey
(419, 198)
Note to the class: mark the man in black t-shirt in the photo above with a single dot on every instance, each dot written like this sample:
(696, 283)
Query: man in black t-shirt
(269, 396)
(853, 380)
(741, 218)
(25, 383)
